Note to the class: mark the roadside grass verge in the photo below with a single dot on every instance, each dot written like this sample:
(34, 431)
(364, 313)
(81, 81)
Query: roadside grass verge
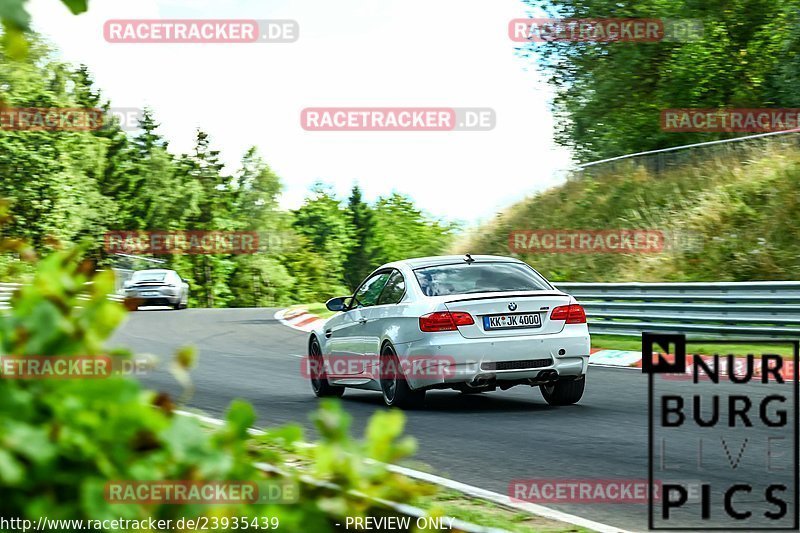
(436, 501)
(726, 218)
(482, 513)
(623, 342)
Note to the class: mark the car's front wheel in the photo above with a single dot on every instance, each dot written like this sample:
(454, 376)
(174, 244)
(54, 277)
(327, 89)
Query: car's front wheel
(316, 373)
(563, 392)
(394, 387)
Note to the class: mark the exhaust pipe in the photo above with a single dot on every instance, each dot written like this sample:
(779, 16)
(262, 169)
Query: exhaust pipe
(545, 376)
(480, 382)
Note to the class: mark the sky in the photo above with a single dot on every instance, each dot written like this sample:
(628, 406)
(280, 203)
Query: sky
(350, 53)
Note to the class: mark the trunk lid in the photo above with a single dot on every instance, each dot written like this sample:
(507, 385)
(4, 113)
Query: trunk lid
(508, 309)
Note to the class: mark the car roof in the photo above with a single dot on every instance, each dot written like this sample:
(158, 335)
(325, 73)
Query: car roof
(437, 260)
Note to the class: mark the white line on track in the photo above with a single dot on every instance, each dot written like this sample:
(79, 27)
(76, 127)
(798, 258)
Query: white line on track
(470, 490)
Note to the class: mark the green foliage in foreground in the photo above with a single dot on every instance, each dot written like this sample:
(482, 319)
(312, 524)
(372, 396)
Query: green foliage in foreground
(15, 21)
(61, 441)
(730, 218)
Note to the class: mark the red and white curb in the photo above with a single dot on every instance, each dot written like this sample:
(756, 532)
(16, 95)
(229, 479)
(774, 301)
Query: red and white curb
(299, 319)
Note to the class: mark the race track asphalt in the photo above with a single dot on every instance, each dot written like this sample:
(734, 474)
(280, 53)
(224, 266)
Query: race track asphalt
(486, 440)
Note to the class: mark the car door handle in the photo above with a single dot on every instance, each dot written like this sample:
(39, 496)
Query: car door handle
(362, 320)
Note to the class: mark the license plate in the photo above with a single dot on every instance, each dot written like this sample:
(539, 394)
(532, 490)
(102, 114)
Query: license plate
(519, 320)
(150, 293)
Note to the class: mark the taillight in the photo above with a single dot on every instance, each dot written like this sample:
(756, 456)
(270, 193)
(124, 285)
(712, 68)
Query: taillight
(444, 321)
(571, 314)
(462, 319)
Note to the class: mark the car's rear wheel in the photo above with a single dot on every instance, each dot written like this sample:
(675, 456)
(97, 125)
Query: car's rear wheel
(180, 303)
(563, 392)
(316, 373)
(394, 387)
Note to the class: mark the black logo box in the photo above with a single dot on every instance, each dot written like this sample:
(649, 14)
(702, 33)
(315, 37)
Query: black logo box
(662, 343)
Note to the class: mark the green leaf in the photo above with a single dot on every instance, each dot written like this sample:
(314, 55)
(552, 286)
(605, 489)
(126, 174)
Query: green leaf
(240, 417)
(13, 40)
(77, 6)
(13, 13)
(11, 471)
(186, 357)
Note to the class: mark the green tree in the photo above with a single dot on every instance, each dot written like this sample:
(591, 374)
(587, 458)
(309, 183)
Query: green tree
(609, 96)
(49, 176)
(327, 229)
(403, 231)
(260, 279)
(360, 259)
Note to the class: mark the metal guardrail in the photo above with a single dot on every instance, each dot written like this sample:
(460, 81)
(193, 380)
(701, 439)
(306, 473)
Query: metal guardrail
(7, 290)
(760, 309)
(743, 149)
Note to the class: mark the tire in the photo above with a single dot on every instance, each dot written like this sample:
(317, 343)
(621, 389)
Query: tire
(395, 389)
(563, 392)
(179, 304)
(317, 377)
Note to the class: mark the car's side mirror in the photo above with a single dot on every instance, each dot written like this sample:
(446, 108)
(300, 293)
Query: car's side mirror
(337, 304)
(184, 280)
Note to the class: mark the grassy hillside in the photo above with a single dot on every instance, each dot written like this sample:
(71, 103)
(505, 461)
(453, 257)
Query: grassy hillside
(731, 217)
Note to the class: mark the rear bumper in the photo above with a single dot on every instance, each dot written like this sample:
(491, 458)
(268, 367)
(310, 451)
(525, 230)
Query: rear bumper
(448, 358)
(162, 299)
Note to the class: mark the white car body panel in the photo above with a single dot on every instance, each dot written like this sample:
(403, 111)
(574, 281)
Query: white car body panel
(362, 332)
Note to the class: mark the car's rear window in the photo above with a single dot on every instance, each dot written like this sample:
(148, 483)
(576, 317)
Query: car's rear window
(149, 276)
(478, 277)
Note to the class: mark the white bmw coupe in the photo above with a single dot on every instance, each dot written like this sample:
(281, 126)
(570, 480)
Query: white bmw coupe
(452, 322)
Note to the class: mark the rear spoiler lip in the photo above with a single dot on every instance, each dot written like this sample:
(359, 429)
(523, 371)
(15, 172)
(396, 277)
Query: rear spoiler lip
(509, 295)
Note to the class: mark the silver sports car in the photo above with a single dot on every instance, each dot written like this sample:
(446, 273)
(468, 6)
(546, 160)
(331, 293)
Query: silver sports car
(453, 322)
(156, 286)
